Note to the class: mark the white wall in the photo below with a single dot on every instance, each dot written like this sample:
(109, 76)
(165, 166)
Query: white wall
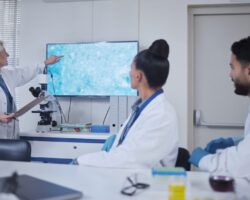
(143, 20)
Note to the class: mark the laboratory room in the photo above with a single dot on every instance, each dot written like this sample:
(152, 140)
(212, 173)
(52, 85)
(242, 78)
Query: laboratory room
(120, 99)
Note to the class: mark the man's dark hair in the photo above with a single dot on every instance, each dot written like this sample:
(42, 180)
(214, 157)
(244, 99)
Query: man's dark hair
(241, 49)
(154, 63)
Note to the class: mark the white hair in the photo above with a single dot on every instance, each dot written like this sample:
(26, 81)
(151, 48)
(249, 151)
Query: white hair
(1, 46)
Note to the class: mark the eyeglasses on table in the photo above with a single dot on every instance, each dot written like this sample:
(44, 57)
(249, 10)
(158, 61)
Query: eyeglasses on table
(132, 185)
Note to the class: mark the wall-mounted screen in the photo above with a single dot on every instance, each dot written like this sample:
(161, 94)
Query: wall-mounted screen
(91, 69)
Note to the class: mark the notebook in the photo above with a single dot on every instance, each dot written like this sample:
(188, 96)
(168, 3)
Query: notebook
(31, 188)
(28, 106)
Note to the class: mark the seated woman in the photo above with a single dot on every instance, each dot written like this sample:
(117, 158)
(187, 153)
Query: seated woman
(149, 137)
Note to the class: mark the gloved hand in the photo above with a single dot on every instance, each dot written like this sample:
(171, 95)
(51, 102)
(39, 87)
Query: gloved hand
(220, 143)
(197, 154)
(108, 143)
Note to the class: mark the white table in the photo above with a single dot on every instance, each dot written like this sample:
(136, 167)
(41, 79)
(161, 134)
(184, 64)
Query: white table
(106, 183)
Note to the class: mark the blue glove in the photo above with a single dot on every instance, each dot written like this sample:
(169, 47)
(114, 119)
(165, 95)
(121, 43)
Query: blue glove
(220, 143)
(197, 154)
(108, 143)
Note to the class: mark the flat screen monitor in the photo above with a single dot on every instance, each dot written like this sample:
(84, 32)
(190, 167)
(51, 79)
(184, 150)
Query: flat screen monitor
(91, 69)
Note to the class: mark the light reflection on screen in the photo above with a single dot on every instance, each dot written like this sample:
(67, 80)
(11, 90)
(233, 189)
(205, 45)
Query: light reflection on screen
(92, 69)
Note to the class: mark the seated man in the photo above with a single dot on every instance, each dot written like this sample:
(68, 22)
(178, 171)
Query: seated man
(234, 156)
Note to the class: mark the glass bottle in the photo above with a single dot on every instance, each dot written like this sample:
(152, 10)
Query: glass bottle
(220, 179)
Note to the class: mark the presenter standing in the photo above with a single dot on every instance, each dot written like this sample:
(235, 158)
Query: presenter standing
(10, 78)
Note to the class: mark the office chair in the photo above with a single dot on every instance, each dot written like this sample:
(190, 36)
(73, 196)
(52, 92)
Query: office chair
(15, 150)
(182, 159)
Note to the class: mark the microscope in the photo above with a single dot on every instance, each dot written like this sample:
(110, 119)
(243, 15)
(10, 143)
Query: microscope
(48, 108)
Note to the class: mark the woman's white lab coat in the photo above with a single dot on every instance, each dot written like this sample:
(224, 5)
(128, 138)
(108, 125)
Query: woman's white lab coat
(14, 77)
(151, 141)
(235, 159)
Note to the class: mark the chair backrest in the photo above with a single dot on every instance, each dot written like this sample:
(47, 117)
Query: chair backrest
(182, 159)
(15, 150)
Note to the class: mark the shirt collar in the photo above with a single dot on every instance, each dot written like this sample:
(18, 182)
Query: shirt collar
(139, 103)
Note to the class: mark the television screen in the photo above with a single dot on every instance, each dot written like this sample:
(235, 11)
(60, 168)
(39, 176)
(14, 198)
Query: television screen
(91, 69)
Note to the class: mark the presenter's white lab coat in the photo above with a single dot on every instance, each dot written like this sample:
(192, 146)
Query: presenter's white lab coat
(235, 159)
(14, 77)
(151, 141)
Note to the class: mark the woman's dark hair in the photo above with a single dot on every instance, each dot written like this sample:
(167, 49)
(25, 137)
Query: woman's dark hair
(241, 49)
(154, 63)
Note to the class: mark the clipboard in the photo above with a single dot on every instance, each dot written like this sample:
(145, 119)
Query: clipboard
(32, 188)
(28, 106)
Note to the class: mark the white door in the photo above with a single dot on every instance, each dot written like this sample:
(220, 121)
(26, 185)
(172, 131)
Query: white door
(219, 111)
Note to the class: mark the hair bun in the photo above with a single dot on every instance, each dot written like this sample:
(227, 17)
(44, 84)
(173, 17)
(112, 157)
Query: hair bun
(159, 48)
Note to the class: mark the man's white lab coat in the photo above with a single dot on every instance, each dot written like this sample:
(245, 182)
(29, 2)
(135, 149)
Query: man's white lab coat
(14, 77)
(153, 139)
(235, 159)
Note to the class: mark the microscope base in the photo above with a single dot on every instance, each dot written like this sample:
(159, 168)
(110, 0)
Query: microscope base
(43, 128)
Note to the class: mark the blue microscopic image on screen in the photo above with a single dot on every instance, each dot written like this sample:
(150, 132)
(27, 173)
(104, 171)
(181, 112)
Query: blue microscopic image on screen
(91, 69)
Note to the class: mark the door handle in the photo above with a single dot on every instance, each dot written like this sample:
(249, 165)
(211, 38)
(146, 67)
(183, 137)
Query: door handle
(198, 122)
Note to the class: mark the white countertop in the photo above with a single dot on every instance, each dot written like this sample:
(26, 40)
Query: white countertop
(106, 183)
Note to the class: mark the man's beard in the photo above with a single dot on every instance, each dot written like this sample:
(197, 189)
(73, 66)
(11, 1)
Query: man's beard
(241, 89)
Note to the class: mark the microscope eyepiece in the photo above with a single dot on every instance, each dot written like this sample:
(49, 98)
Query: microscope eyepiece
(35, 92)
